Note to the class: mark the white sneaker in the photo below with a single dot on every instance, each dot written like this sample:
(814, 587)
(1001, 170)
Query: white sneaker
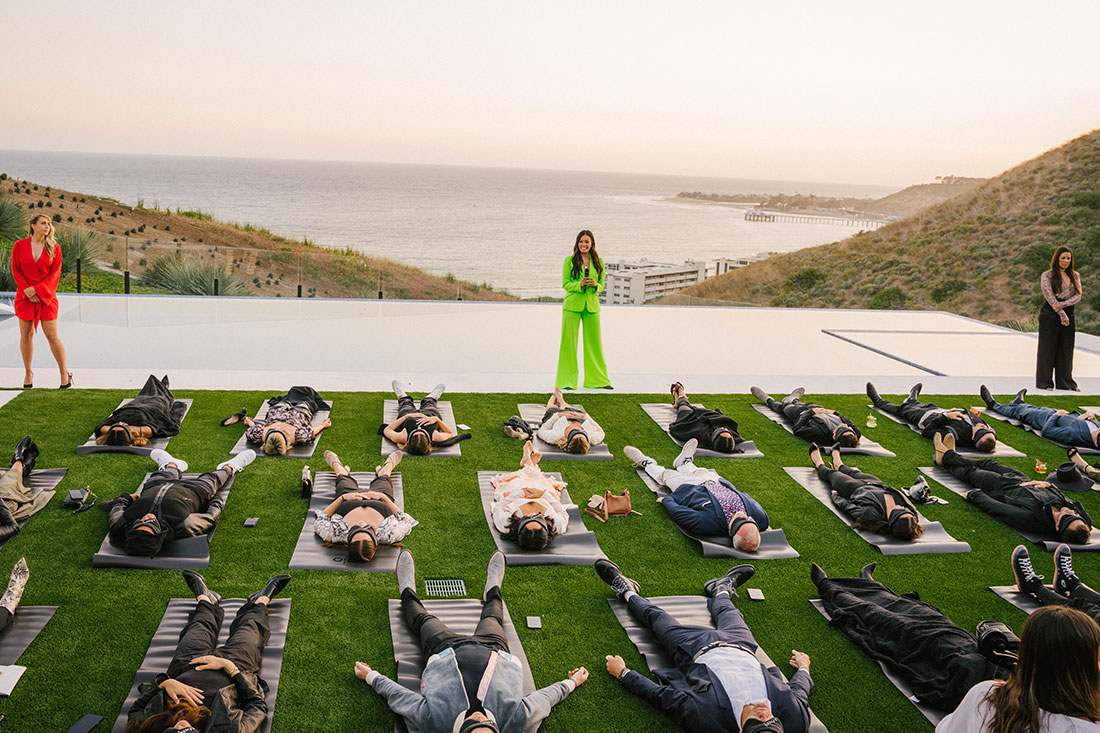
(398, 388)
(687, 453)
(635, 456)
(163, 458)
(795, 394)
(759, 394)
(437, 391)
(239, 461)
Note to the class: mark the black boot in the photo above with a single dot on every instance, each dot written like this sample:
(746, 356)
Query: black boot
(729, 582)
(26, 452)
(198, 586)
(876, 398)
(914, 392)
(868, 570)
(276, 584)
(8, 526)
(817, 574)
(987, 397)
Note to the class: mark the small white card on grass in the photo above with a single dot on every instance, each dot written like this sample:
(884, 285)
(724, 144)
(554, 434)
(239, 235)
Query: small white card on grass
(756, 594)
(460, 426)
(9, 675)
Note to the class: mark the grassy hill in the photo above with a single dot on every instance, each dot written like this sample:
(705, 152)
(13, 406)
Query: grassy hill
(978, 254)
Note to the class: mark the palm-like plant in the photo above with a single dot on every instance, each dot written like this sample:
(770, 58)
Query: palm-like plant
(184, 276)
(77, 244)
(13, 221)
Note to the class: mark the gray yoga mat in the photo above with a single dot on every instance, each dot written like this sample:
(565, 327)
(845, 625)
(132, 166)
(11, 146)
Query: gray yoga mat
(1082, 449)
(866, 447)
(1048, 542)
(933, 715)
(25, 627)
(45, 479)
(311, 554)
(533, 413)
(186, 553)
(1001, 450)
(664, 414)
(90, 445)
(461, 615)
(296, 451)
(577, 546)
(773, 542)
(687, 610)
(934, 540)
(1023, 601)
(162, 647)
(446, 413)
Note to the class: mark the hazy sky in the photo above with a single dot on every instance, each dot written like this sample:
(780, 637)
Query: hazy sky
(860, 92)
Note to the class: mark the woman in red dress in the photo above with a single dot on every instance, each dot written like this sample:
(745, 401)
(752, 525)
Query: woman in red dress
(36, 267)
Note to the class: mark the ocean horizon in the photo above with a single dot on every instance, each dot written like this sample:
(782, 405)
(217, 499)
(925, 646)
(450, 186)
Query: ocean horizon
(507, 227)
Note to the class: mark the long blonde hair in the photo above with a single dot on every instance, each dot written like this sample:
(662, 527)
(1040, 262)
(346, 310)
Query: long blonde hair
(51, 243)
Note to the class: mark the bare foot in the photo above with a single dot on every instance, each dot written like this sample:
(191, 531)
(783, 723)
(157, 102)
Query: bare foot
(837, 460)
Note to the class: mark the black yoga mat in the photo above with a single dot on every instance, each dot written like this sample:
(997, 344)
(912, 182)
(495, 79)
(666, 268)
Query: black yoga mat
(185, 553)
(688, 610)
(90, 445)
(1082, 449)
(27, 622)
(311, 554)
(664, 414)
(45, 479)
(1049, 542)
(1001, 450)
(532, 414)
(1023, 601)
(446, 413)
(296, 451)
(773, 542)
(934, 540)
(866, 447)
(163, 646)
(577, 546)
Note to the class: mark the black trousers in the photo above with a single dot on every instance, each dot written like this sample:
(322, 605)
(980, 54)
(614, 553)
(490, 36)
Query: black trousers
(5, 618)
(1055, 353)
(205, 485)
(683, 407)
(984, 473)
(908, 411)
(435, 635)
(428, 406)
(846, 480)
(381, 484)
(248, 635)
(1082, 598)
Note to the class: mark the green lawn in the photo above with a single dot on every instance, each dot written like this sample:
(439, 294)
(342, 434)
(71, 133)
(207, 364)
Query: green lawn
(84, 660)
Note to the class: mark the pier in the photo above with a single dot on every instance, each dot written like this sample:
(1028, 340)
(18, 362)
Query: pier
(758, 215)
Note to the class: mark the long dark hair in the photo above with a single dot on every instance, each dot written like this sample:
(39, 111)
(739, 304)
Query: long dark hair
(577, 264)
(1058, 672)
(1056, 270)
(196, 716)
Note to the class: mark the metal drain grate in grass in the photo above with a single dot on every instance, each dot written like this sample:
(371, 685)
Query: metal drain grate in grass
(445, 587)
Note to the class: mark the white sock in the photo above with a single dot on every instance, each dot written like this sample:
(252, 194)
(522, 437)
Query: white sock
(722, 593)
(628, 594)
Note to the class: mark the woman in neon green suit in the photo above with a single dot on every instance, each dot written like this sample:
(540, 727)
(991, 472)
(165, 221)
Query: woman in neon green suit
(583, 280)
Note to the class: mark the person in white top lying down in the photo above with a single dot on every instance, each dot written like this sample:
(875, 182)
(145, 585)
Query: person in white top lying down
(527, 506)
(568, 427)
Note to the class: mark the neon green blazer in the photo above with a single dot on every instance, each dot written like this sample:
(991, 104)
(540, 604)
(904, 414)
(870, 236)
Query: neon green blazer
(575, 300)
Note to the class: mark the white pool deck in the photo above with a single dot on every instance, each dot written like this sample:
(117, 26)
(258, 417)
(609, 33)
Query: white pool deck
(259, 343)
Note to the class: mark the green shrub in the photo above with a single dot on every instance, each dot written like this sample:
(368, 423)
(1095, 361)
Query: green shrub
(891, 298)
(805, 279)
(13, 222)
(77, 244)
(947, 289)
(184, 276)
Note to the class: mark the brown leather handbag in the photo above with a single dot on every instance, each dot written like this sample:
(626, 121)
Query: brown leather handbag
(611, 505)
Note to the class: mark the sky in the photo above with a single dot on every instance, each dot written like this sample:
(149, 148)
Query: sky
(848, 92)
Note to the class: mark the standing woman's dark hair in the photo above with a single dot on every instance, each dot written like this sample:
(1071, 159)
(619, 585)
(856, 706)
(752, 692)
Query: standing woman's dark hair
(1059, 672)
(1061, 287)
(582, 279)
(36, 276)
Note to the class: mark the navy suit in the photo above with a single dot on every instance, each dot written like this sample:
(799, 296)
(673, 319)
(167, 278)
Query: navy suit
(691, 694)
(692, 507)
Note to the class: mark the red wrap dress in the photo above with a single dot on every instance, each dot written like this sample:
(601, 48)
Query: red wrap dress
(41, 274)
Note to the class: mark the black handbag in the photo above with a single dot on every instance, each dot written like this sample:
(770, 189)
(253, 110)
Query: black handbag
(79, 500)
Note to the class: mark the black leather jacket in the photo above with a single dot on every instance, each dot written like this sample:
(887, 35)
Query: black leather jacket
(237, 708)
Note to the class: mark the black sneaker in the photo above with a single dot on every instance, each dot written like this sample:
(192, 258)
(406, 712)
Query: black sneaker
(914, 392)
(987, 397)
(610, 573)
(1064, 578)
(1027, 580)
(729, 582)
(1019, 398)
(876, 398)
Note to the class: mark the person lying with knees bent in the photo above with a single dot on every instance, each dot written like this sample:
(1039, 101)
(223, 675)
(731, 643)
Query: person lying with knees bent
(209, 687)
(1010, 496)
(289, 421)
(864, 497)
(713, 429)
(470, 683)
(17, 501)
(363, 520)
(702, 502)
(569, 428)
(154, 413)
(813, 423)
(968, 427)
(526, 505)
(419, 429)
(169, 506)
(1071, 428)
(718, 684)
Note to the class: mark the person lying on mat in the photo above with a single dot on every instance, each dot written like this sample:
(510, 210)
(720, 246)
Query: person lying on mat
(813, 423)
(873, 505)
(211, 687)
(713, 429)
(968, 427)
(1066, 589)
(717, 674)
(169, 506)
(289, 421)
(17, 500)
(154, 413)
(363, 520)
(1010, 496)
(470, 682)
(569, 428)
(419, 429)
(702, 502)
(526, 505)
(920, 645)
(14, 593)
(1071, 428)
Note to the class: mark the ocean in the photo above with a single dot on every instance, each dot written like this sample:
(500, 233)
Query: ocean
(509, 228)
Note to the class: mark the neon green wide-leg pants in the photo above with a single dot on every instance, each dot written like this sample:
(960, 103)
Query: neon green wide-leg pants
(595, 368)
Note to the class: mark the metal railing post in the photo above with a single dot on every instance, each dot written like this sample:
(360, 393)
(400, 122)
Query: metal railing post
(78, 288)
(215, 286)
(126, 286)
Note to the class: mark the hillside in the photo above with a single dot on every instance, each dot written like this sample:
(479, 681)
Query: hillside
(978, 254)
(135, 238)
(910, 200)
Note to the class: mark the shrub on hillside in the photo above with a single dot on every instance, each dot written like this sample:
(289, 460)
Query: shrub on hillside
(805, 279)
(77, 244)
(13, 222)
(891, 298)
(184, 276)
(947, 289)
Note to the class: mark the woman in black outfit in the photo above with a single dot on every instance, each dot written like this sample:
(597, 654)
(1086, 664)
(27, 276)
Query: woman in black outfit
(154, 413)
(419, 428)
(1057, 328)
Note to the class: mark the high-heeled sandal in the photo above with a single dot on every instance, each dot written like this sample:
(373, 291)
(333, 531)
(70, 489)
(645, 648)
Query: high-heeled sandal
(70, 384)
(235, 417)
(1071, 452)
(29, 386)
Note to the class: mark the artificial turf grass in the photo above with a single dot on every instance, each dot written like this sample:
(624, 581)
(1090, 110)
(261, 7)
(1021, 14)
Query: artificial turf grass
(84, 660)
